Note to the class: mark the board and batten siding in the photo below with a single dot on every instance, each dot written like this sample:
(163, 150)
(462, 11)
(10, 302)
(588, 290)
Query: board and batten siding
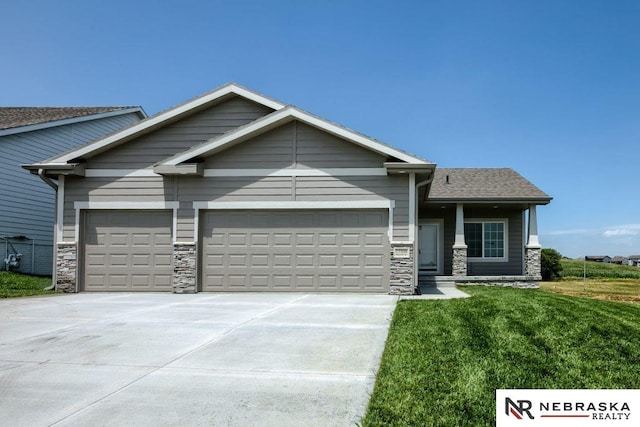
(180, 135)
(189, 189)
(515, 240)
(27, 204)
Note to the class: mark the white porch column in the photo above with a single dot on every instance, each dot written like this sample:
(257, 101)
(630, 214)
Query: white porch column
(533, 250)
(459, 267)
(532, 230)
(460, 242)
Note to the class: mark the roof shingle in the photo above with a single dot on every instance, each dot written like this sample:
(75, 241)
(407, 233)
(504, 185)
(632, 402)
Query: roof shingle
(483, 184)
(13, 117)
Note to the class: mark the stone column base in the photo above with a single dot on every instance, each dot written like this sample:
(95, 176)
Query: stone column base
(533, 265)
(184, 268)
(66, 267)
(459, 267)
(401, 269)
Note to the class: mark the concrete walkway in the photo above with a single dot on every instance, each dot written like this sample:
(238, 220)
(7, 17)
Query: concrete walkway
(205, 359)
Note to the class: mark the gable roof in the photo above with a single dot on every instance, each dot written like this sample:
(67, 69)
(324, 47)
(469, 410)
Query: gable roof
(277, 119)
(163, 118)
(25, 119)
(483, 184)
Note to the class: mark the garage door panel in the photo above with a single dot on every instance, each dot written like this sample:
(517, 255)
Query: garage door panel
(303, 250)
(128, 251)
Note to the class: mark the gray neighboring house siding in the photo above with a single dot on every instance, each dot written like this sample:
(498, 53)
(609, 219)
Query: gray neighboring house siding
(27, 205)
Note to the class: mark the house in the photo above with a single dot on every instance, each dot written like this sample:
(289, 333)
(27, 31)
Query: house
(634, 260)
(29, 134)
(599, 258)
(235, 191)
(620, 260)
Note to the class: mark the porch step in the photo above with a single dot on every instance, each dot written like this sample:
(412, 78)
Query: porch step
(436, 281)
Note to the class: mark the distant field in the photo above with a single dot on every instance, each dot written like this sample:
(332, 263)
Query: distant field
(598, 270)
(612, 282)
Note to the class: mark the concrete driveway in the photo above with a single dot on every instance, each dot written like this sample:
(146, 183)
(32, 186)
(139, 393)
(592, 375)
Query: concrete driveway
(205, 359)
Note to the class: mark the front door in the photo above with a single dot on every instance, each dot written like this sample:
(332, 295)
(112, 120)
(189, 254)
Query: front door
(429, 247)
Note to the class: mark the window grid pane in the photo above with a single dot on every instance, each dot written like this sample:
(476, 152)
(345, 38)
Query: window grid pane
(493, 240)
(473, 239)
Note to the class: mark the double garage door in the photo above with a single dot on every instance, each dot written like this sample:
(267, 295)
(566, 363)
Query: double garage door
(302, 250)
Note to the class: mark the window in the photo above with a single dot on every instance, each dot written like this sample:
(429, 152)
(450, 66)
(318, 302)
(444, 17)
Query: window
(486, 239)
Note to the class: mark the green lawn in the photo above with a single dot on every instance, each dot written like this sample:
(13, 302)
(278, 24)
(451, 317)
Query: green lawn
(20, 285)
(444, 360)
(575, 268)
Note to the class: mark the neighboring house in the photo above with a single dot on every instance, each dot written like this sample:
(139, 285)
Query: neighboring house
(234, 191)
(634, 260)
(599, 258)
(29, 134)
(620, 260)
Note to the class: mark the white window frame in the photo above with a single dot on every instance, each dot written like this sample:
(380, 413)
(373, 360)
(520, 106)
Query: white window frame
(484, 221)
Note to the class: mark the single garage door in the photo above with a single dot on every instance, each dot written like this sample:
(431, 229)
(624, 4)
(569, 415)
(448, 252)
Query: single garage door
(127, 251)
(302, 250)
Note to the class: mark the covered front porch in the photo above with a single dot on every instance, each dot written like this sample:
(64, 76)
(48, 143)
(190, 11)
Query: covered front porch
(475, 229)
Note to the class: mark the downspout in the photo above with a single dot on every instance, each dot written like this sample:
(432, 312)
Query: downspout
(47, 180)
(53, 185)
(416, 262)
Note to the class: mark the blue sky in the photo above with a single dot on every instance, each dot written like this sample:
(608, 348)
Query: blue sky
(550, 88)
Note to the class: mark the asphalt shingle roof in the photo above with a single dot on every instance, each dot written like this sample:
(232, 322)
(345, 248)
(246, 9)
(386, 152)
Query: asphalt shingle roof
(13, 117)
(483, 184)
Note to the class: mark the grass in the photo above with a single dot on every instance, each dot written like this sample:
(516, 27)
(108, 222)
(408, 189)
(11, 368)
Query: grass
(598, 270)
(20, 285)
(620, 290)
(444, 360)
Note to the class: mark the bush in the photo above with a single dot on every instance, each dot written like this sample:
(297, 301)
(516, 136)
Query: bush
(551, 267)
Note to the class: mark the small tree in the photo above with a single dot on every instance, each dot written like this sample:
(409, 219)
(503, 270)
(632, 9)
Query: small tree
(550, 263)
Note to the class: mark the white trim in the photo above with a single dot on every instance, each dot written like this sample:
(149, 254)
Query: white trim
(72, 120)
(298, 204)
(196, 223)
(60, 210)
(76, 232)
(483, 221)
(459, 242)
(184, 243)
(532, 229)
(126, 205)
(167, 115)
(296, 172)
(119, 173)
(412, 207)
(283, 116)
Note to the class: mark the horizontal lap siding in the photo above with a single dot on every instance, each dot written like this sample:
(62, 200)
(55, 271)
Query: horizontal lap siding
(27, 203)
(394, 187)
(180, 136)
(516, 246)
(271, 150)
(111, 190)
(318, 149)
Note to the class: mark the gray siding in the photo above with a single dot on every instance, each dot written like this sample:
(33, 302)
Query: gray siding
(295, 145)
(27, 203)
(180, 136)
(188, 189)
(515, 240)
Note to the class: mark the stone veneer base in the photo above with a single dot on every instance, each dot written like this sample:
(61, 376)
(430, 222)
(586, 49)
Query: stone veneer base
(66, 266)
(533, 264)
(184, 268)
(459, 267)
(401, 271)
